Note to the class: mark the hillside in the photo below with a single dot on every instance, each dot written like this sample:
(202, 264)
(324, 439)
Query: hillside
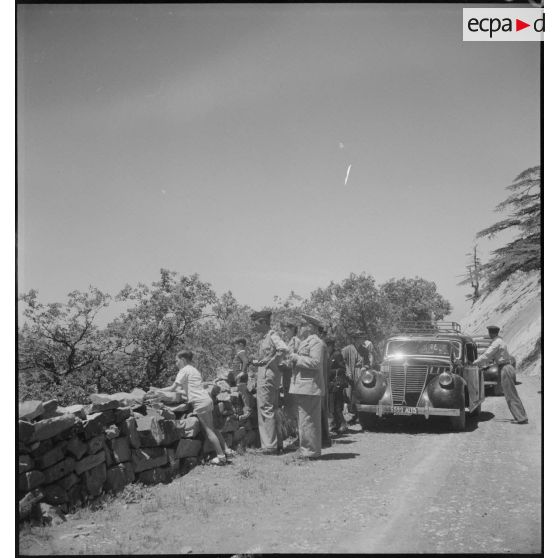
(515, 306)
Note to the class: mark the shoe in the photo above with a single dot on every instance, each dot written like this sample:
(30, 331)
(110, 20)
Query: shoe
(219, 460)
(229, 454)
(520, 421)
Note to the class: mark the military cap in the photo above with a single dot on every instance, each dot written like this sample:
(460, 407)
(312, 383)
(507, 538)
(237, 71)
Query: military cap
(493, 328)
(313, 320)
(261, 314)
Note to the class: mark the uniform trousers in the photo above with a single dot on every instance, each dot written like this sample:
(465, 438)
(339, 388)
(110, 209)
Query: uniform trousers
(267, 397)
(336, 400)
(325, 418)
(510, 393)
(309, 424)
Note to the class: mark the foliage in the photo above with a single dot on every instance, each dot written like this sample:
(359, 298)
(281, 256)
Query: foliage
(473, 275)
(522, 253)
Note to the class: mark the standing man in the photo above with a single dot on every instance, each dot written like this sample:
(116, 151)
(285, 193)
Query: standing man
(498, 351)
(325, 416)
(307, 386)
(337, 382)
(353, 365)
(271, 350)
(290, 330)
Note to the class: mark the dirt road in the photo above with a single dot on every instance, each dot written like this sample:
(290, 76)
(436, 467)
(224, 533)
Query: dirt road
(412, 486)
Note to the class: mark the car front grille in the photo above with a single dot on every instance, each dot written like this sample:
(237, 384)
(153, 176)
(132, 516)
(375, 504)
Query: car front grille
(407, 383)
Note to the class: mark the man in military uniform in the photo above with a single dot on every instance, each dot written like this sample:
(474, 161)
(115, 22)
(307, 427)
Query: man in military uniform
(498, 351)
(354, 363)
(307, 386)
(271, 350)
(337, 381)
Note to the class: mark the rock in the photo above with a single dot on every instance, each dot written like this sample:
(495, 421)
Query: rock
(130, 429)
(30, 480)
(109, 457)
(76, 494)
(139, 409)
(76, 447)
(162, 412)
(90, 461)
(148, 458)
(119, 476)
(138, 394)
(154, 476)
(188, 427)
(50, 515)
(174, 462)
(61, 469)
(67, 482)
(94, 479)
(76, 410)
(101, 402)
(25, 463)
(94, 445)
(93, 426)
(55, 494)
(51, 457)
(50, 409)
(231, 424)
(29, 410)
(188, 448)
(121, 414)
(49, 428)
(112, 432)
(40, 448)
(28, 501)
(121, 449)
(25, 431)
(154, 431)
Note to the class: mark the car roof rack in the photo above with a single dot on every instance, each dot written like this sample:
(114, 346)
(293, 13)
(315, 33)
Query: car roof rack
(427, 327)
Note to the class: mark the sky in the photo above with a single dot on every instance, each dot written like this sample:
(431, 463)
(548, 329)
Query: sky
(215, 139)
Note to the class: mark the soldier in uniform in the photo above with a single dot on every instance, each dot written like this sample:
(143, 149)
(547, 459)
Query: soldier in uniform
(337, 382)
(271, 350)
(290, 330)
(498, 351)
(308, 387)
(353, 363)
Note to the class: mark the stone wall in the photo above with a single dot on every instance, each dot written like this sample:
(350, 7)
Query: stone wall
(69, 455)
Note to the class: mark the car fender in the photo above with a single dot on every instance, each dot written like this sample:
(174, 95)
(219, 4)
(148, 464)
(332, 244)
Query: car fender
(452, 398)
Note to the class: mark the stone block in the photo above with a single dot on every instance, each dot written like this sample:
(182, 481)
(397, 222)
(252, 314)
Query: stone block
(28, 501)
(76, 447)
(120, 449)
(155, 431)
(50, 408)
(155, 476)
(163, 412)
(119, 476)
(76, 410)
(112, 432)
(40, 448)
(188, 427)
(49, 428)
(55, 494)
(68, 481)
(66, 435)
(29, 410)
(148, 458)
(100, 404)
(94, 479)
(25, 463)
(25, 431)
(139, 409)
(76, 494)
(94, 445)
(90, 461)
(121, 414)
(30, 480)
(188, 448)
(129, 428)
(93, 426)
(59, 470)
(231, 424)
(138, 394)
(109, 457)
(48, 459)
(49, 515)
(174, 462)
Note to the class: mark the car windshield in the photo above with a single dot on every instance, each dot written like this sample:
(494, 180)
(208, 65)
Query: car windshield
(408, 347)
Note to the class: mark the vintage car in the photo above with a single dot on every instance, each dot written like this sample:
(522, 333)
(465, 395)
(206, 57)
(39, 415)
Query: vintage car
(492, 372)
(427, 370)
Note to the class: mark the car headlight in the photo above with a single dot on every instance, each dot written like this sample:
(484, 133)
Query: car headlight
(368, 378)
(446, 380)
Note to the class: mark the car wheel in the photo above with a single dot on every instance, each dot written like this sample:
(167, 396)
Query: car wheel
(367, 421)
(458, 423)
(476, 412)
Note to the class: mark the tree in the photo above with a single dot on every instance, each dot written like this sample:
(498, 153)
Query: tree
(522, 253)
(473, 275)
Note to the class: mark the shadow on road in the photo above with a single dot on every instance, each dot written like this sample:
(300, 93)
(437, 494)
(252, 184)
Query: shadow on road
(339, 441)
(336, 456)
(421, 426)
(484, 416)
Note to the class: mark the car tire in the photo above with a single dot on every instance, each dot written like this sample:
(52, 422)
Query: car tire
(368, 421)
(458, 423)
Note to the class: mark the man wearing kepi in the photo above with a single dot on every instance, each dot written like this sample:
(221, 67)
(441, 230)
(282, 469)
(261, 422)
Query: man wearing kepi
(271, 351)
(498, 351)
(307, 386)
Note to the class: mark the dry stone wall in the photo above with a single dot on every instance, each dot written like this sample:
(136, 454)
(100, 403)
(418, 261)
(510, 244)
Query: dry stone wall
(69, 455)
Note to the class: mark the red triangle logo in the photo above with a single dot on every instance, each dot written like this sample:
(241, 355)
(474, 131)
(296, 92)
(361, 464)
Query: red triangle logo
(519, 25)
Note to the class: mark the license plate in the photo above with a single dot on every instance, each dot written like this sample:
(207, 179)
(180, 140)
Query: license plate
(404, 410)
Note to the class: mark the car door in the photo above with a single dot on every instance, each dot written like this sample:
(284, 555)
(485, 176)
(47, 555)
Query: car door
(472, 375)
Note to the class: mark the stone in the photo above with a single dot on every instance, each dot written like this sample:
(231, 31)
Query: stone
(130, 429)
(25, 431)
(28, 501)
(121, 414)
(138, 394)
(119, 476)
(25, 463)
(93, 426)
(148, 458)
(61, 469)
(121, 449)
(55, 494)
(66, 435)
(100, 404)
(112, 432)
(50, 427)
(90, 461)
(50, 409)
(163, 396)
(49, 515)
(155, 476)
(140, 409)
(154, 431)
(162, 412)
(76, 494)
(109, 457)
(94, 479)
(188, 448)
(231, 424)
(188, 427)
(174, 462)
(67, 482)
(29, 410)
(48, 459)
(30, 480)
(40, 448)
(94, 445)
(76, 410)
(76, 447)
